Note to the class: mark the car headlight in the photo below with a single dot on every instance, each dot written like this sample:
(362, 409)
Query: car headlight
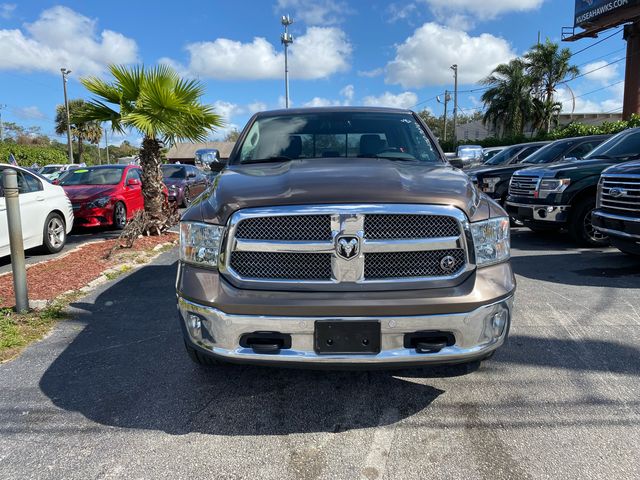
(99, 202)
(200, 243)
(552, 185)
(491, 240)
(489, 184)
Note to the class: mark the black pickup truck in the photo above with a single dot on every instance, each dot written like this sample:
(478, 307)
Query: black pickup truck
(618, 212)
(564, 195)
(494, 180)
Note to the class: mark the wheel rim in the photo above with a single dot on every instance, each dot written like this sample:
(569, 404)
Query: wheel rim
(55, 232)
(591, 233)
(121, 216)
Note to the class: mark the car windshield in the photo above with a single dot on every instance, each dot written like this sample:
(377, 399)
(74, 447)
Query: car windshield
(547, 154)
(93, 176)
(317, 135)
(622, 146)
(48, 170)
(173, 171)
(504, 156)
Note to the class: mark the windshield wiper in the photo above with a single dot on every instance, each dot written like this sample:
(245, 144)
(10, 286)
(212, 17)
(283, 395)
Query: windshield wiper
(280, 158)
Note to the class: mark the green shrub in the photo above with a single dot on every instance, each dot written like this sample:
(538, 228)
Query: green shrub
(27, 155)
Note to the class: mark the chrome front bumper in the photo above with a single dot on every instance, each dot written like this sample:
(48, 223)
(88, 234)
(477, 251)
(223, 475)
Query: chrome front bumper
(544, 213)
(218, 334)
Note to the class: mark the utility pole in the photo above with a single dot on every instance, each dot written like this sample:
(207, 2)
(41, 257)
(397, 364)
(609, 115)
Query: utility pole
(66, 72)
(1, 126)
(286, 39)
(106, 144)
(454, 67)
(447, 97)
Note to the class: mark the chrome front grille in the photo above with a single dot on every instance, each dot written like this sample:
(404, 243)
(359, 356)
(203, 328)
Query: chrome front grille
(620, 195)
(389, 226)
(343, 247)
(523, 186)
(411, 264)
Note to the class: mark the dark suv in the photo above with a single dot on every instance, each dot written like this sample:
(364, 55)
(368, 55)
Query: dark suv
(341, 236)
(564, 195)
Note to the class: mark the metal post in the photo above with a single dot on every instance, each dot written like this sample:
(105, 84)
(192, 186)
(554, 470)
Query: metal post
(106, 144)
(455, 102)
(286, 40)
(66, 72)
(447, 97)
(631, 103)
(16, 245)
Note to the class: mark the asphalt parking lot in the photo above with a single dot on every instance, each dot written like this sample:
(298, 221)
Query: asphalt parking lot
(112, 394)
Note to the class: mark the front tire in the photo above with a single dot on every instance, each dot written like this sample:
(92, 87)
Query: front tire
(186, 197)
(581, 228)
(119, 216)
(55, 233)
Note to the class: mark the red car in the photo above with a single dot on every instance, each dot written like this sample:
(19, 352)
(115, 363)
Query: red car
(106, 195)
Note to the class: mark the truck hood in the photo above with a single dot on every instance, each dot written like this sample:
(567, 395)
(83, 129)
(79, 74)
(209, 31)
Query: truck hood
(628, 168)
(333, 181)
(483, 171)
(558, 170)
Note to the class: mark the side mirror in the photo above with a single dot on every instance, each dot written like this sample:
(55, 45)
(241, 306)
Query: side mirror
(132, 182)
(456, 163)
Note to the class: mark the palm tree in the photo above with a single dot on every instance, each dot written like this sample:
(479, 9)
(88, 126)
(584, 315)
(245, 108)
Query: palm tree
(81, 131)
(162, 107)
(508, 99)
(548, 66)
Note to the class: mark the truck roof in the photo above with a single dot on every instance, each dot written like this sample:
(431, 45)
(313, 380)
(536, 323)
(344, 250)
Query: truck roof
(306, 110)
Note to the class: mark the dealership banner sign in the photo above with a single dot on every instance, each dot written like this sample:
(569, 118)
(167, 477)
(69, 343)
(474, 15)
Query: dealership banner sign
(596, 11)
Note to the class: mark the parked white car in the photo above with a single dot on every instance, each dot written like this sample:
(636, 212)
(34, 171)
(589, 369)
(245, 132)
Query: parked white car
(53, 171)
(45, 210)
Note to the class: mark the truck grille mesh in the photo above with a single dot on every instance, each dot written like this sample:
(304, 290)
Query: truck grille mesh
(626, 201)
(398, 226)
(288, 228)
(282, 266)
(411, 264)
(523, 186)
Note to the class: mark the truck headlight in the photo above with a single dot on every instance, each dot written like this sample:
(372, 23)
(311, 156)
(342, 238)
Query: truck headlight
(99, 202)
(552, 185)
(200, 243)
(489, 184)
(491, 240)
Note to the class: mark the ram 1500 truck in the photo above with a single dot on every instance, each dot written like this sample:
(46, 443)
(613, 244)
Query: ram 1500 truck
(341, 237)
(564, 195)
(618, 207)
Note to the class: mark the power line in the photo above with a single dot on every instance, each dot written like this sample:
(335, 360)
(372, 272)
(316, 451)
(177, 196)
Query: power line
(596, 43)
(599, 89)
(601, 56)
(595, 70)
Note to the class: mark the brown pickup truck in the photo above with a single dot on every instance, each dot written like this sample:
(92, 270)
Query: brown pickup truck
(340, 237)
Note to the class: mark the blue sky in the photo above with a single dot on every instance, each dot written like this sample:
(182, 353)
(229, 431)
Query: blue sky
(345, 52)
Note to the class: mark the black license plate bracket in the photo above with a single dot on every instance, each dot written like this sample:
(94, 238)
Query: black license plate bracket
(347, 337)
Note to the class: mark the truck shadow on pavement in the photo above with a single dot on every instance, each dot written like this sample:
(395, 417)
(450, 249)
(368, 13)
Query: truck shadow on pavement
(128, 368)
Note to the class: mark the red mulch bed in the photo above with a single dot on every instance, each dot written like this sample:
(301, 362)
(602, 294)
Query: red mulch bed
(47, 280)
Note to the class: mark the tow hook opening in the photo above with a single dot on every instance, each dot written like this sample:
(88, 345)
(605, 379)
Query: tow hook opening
(266, 342)
(429, 341)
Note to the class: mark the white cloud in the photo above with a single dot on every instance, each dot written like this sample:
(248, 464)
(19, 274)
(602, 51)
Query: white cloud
(348, 93)
(319, 53)
(61, 37)
(314, 12)
(585, 104)
(405, 11)
(601, 71)
(463, 13)
(425, 57)
(29, 113)
(321, 102)
(376, 72)
(388, 99)
(256, 107)
(6, 10)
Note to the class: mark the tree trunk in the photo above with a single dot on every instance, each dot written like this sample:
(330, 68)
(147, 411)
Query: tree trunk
(152, 190)
(80, 150)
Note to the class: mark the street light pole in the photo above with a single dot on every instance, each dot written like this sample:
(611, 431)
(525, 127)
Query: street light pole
(455, 101)
(286, 39)
(66, 72)
(1, 125)
(447, 98)
(106, 144)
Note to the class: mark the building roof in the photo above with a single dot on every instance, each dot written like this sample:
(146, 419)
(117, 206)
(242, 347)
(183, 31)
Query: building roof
(188, 150)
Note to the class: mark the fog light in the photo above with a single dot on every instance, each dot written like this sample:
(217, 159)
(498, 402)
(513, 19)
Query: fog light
(194, 325)
(498, 323)
(550, 209)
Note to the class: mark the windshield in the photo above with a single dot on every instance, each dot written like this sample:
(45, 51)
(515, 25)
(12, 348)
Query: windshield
(47, 170)
(92, 176)
(623, 145)
(172, 171)
(548, 153)
(337, 135)
(504, 156)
